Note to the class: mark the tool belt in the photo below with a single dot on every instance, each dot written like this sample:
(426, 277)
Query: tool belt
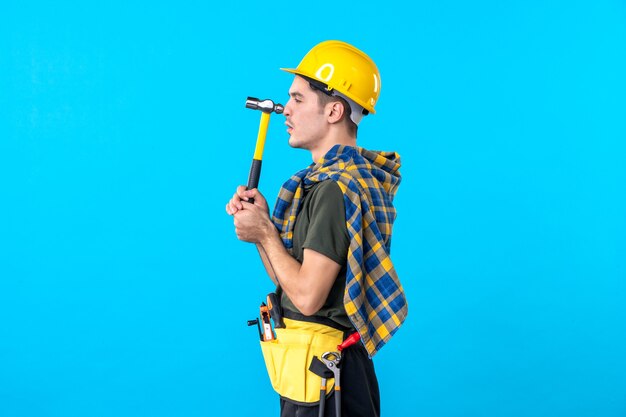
(289, 356)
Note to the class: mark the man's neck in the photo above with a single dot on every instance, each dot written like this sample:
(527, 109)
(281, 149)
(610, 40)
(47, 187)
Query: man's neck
(331, 140)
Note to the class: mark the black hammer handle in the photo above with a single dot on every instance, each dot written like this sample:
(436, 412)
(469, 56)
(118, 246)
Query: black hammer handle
(253, 178)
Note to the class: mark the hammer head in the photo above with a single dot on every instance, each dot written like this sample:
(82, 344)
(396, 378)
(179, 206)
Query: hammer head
(266, 106)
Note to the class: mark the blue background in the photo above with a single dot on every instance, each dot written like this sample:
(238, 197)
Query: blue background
(123, 132)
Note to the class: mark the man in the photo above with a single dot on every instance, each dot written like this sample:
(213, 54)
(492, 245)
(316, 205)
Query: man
(327, 245)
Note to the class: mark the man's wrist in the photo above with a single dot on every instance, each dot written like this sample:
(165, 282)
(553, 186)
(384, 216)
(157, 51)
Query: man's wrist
(269, 234)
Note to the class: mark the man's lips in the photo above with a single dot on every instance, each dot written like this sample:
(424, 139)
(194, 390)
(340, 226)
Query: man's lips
(289, 127)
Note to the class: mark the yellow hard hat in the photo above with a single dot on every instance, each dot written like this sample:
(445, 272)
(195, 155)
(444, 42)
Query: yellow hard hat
(343, 68)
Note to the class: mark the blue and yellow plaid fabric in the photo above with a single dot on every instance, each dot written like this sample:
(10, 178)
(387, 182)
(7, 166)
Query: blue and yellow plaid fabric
(374, 298)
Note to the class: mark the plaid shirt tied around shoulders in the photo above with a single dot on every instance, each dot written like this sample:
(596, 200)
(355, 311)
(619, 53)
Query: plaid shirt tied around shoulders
(374, 298)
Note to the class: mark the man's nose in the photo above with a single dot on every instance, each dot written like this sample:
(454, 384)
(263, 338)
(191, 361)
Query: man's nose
(287, 109)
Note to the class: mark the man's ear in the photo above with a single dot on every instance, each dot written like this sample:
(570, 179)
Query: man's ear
(337, 111)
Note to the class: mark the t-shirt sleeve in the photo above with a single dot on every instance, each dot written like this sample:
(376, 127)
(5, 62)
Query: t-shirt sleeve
(327, 232)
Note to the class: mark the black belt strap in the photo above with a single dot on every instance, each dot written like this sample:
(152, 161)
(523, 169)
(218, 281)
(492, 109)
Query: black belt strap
(318, 320)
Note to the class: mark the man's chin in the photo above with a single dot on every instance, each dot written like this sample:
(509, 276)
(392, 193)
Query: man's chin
(293, 142)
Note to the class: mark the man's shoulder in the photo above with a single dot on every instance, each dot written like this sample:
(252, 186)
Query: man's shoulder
(326, 189)
(325, 198)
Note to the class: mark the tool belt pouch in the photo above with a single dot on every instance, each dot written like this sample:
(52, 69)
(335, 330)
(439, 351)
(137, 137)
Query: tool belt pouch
(288, 357)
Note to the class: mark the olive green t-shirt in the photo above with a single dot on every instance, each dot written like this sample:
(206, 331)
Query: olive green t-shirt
(321, 226)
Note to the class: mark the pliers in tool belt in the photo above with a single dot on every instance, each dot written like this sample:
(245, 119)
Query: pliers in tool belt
(332, 361)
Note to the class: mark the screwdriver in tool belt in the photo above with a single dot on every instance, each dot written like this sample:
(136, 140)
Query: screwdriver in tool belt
(268, 334)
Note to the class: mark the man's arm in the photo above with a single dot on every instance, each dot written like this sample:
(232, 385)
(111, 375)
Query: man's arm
(308, 284)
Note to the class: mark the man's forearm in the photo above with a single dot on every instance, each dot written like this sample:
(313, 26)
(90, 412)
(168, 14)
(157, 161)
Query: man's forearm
(304, 289)
(285, 267)
(267, 264)
(307, 284)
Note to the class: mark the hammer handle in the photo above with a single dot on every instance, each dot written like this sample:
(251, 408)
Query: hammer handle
(255, 169)
(253, 178)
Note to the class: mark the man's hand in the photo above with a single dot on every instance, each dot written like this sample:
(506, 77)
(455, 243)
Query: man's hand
(242, 194)
(252, 221)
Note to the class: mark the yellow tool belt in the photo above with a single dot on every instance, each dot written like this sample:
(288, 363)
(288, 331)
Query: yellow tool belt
(288, 357)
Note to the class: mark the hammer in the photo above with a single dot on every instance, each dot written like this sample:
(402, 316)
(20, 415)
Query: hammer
(266, 107)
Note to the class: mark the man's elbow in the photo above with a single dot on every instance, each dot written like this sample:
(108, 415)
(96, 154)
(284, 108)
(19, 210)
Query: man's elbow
(308, 311)
(308, 306)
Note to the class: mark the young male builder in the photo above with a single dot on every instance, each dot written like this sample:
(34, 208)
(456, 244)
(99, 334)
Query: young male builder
(327, 244)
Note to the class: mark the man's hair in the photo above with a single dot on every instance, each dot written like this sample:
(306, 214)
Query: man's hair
(323, 99)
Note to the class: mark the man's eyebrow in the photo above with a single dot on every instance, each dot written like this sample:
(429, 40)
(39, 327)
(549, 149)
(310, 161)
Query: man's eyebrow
(295, 94)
